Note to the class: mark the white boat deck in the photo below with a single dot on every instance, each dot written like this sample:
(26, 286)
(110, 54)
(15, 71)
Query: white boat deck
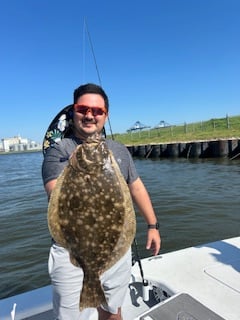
(209, 273)
(203, 282)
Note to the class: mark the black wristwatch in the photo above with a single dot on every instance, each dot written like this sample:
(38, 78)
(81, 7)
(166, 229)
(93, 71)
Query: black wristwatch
(153, 226)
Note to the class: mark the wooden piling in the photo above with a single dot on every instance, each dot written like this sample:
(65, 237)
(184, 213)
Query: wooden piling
(196, 149)
(172, 150)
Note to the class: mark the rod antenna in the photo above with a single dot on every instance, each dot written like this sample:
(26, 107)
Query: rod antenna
(98, 74)
(94, 57)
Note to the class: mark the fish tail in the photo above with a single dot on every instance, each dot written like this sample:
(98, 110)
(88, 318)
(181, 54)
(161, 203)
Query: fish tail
(92, 295)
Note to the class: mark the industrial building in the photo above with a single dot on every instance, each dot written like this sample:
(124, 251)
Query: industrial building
(18, 144)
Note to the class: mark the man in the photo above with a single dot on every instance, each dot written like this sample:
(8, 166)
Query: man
(89, 114)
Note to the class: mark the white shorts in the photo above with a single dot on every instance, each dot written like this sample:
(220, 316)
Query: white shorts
(67, 284)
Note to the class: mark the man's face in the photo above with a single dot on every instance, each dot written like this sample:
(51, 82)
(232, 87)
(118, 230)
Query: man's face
(89, 115)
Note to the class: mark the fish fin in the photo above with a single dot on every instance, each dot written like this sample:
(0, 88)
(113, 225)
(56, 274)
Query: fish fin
(92, 295)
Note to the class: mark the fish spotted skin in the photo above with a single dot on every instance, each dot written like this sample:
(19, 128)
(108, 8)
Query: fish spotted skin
(91, 214)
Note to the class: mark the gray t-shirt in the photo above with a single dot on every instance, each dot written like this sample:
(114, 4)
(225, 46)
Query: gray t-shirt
(56, 158)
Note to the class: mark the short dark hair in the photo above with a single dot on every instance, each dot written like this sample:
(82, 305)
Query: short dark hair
(90, 88)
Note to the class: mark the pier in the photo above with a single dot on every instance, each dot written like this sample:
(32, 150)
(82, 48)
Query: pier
(229, 148)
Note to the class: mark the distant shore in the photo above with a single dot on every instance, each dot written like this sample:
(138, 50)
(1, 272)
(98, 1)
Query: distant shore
(17, 152)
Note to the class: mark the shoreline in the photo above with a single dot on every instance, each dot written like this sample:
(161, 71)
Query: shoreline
(19, 152)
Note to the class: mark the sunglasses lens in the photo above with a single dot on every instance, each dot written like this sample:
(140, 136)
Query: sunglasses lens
(97, 111)
(81, 109)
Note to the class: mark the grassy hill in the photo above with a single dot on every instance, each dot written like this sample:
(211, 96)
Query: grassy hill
(213, 129)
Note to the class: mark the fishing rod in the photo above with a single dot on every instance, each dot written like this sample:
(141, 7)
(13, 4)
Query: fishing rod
(145, 287)
(98, 74)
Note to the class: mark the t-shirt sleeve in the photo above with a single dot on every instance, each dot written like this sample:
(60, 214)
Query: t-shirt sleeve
(124, 160)
(55, 159)
(132, 175)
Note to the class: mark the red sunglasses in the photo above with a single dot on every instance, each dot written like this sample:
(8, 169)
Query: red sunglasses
(96, 111)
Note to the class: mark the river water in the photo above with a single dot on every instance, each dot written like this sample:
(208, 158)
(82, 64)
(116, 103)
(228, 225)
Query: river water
(196, 201)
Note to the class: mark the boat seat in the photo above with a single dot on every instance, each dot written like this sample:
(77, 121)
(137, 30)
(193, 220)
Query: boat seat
(180, 307)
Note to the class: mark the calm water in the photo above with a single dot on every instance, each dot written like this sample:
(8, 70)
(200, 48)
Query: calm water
(195, 201)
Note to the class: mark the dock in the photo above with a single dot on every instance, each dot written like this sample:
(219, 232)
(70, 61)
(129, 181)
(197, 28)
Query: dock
(222, 148)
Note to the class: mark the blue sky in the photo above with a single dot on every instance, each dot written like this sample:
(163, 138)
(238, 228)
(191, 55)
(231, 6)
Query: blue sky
(159, 60)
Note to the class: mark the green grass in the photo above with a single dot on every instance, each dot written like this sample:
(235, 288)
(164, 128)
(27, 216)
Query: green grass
(213, 129)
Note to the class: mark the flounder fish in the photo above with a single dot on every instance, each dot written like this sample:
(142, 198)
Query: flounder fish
(91, 214)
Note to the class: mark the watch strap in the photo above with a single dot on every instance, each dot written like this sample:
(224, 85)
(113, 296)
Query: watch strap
(153, 226)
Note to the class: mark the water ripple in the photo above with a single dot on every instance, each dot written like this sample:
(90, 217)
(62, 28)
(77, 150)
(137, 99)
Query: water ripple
(195, 201)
